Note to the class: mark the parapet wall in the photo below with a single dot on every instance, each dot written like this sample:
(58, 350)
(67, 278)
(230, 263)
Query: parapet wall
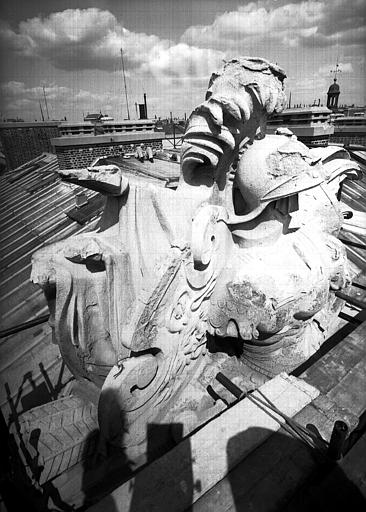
(78, 152)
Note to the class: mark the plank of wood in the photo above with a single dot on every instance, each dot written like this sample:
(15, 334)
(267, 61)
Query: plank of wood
(338, 362)
(350, 391)
(322, 414)
(180, 477)
(160, 169)
(276, 469)
(341, 373)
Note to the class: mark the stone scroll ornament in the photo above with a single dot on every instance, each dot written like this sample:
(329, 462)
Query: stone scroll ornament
(234, 271)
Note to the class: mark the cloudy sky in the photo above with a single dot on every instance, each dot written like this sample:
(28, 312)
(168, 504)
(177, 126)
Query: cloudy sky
(170, 49)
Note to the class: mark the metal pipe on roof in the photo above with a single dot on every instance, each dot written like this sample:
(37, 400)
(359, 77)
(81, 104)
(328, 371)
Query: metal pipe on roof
(25, 325)
(351, 300)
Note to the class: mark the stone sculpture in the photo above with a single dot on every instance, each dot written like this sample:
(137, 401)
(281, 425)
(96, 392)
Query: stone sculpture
(234, 271)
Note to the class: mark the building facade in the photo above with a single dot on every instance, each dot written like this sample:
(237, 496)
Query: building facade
(350, 130)
(76, 152)
(22, 142)
(88, 127)
(311, 125)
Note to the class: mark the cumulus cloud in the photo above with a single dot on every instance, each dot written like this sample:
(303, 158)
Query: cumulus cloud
(308, 23)
(184, 61)
(343, 17)
(15, 42)
(263, 20)
(18, 90)
(79, 39)
(18, 98)
(91, 39)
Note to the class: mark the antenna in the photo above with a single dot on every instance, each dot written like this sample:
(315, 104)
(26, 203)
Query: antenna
(124, 79)
(45, 100)
(40, 106)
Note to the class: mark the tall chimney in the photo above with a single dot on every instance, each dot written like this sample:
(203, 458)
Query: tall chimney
(147, 117)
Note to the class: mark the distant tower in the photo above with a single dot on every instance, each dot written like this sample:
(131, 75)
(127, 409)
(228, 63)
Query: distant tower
(333, 95)
(334, 91)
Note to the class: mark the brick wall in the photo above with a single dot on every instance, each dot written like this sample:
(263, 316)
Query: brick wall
(23, 143)
(76, 157)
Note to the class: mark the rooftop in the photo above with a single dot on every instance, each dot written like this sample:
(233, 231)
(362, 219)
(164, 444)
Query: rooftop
(34, 124)
(37, 209)
(109, 123)
(305, 110)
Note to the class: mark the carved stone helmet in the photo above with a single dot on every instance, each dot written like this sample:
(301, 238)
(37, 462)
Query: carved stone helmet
(274, 168)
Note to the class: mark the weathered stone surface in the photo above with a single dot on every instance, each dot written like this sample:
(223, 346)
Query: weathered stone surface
(107, 179)
(242, 256)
